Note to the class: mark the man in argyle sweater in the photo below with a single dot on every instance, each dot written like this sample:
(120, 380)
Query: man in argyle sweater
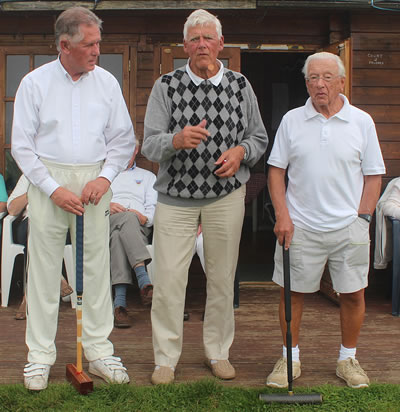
(204, 128)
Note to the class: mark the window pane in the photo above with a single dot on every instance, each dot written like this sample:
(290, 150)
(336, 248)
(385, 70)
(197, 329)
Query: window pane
(17, 68)
(12, 172)
(112, 63)
(179, 63)
(41, 59)
(9, 118)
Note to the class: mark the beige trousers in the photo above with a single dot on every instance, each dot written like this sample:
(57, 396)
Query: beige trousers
(48, 226)
(174, 237)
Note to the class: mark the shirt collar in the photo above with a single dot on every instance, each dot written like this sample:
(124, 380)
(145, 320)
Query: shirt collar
(343, 113)
(215, 80)
(66, 74)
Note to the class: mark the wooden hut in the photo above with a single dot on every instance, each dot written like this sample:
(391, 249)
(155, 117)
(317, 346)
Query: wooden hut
(268, 41)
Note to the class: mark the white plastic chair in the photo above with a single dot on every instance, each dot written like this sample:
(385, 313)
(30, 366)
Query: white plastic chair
(11, 250)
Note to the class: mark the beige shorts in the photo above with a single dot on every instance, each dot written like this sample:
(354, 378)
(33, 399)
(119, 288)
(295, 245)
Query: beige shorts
(346, 251)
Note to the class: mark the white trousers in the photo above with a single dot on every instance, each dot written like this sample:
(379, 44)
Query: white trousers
(47, 232)
(175, 230)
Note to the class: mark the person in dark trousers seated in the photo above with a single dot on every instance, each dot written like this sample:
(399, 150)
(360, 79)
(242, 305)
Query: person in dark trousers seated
(132, 211)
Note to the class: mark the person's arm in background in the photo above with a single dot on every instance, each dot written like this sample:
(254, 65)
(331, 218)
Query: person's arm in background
(17, 205)
(3, 195)
(18, 199)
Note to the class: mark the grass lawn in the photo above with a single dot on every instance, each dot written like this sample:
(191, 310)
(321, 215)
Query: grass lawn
(206, 395)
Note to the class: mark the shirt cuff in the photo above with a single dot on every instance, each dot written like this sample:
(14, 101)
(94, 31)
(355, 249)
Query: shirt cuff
(49, 186)
(108, 173)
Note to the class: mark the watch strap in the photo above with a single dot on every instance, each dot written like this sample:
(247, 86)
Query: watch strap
(365, 216)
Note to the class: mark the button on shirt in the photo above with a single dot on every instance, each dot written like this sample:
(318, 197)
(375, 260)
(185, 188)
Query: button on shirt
(70, 122)
(133, 189)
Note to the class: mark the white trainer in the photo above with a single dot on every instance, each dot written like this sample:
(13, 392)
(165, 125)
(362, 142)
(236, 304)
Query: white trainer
(36, 376)
(109, 368)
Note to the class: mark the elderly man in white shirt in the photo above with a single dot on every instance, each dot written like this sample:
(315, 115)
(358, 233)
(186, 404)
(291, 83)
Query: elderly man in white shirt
(71, 136)
(132, 211)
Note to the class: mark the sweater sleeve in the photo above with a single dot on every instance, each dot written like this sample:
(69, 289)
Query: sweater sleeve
(255, 138)
(157, 144)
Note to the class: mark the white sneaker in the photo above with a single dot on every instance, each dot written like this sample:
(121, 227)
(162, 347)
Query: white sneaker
(351, 371)
(36, 376)
(278, 378)
(109, 368)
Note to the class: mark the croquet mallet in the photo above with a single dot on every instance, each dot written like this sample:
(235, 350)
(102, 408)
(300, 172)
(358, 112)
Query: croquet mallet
(290, 397)
(82, 383)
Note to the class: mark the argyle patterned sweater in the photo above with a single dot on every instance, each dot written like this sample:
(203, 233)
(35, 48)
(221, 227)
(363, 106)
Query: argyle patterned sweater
(232, 116)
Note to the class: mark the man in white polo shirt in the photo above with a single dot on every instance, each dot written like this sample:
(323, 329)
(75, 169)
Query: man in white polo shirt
(333, 161)
(72, 134)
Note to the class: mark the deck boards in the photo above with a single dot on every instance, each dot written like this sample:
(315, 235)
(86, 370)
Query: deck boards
(256, 347)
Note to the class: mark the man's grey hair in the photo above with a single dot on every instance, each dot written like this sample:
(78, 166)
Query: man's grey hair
(68, 24)
(324, 56)
(201, 17)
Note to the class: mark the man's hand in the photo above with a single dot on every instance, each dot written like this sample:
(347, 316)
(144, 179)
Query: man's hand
(94, 190)
(67, 201)
(116, 208)
(284, 230)
(142, 218)
(191, 136)
(229, 162)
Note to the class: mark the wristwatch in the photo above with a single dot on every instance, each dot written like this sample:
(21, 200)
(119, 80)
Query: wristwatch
(365, 217)
(246, 155)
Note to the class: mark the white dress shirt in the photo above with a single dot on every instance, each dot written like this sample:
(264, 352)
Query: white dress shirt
(70, 122)
(133, 189)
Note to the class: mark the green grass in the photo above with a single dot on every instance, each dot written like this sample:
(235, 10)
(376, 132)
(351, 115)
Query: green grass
(206, 395)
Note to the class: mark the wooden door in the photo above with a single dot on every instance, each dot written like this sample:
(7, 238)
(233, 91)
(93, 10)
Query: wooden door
(344, 51)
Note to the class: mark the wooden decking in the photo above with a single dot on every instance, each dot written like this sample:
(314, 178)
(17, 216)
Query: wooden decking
(256, 347)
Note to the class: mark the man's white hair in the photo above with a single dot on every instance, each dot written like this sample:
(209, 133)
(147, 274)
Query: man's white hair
(325, 56)
(201, 17)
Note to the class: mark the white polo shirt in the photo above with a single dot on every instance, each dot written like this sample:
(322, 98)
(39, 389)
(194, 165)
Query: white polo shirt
(326, 161)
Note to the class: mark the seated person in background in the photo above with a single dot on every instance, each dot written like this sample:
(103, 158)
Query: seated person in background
(18, 205)
(132, 211)
(3, 195)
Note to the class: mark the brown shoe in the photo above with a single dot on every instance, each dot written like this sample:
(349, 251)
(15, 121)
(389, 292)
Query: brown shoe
(221, 369)
(121, 318)
(146, 295)
(20, 314)
(65, 290)
(162, 375)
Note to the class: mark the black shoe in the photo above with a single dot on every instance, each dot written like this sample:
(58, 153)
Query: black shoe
(121, 318)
